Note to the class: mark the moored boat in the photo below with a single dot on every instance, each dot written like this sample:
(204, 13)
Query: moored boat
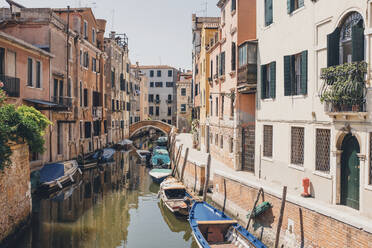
(144, 155)
(158, 174)
(175, 197)
(53, 177)
(212, 228)
(162, 141)
(160, 160)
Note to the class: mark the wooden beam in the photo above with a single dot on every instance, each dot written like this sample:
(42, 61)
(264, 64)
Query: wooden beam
(207, 178)
(280, 221)
(254, 206)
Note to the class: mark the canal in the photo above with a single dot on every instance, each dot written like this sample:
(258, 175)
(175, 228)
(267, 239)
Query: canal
(115, 205)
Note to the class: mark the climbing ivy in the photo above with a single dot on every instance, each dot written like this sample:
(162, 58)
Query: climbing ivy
(20, 125)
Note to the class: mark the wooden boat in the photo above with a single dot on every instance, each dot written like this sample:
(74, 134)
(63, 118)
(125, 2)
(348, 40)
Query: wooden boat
(97, 159)
(162, 141)
(160, 160)
(158, 174)
(212, 228)
(123, 145)
(144, 155)
(53, 177)
(175, 197)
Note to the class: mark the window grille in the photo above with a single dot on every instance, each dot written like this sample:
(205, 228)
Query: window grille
(268, 141)
(323, 150)
(297, 145)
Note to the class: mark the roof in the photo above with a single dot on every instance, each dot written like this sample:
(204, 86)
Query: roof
(42, 102)
(152, 67)
(10, 2)
(23, 43)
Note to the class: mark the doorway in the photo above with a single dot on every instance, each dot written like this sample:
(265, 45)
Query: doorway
(350, 172)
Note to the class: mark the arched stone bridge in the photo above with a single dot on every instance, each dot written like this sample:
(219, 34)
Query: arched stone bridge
(162, 126)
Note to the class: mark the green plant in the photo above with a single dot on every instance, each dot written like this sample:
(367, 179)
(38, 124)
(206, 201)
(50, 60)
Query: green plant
(19, 125)
(344, 84)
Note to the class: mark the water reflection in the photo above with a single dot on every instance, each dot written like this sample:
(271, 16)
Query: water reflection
(115, 205)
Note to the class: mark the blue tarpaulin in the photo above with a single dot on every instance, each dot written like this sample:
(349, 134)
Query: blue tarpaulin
(51, 172)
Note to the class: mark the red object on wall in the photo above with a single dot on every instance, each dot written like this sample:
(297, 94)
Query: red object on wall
(306, 185)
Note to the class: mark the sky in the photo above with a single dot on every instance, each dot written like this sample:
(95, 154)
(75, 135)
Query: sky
(159, 31)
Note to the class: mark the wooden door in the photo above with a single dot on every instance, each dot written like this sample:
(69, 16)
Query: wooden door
(350, 172)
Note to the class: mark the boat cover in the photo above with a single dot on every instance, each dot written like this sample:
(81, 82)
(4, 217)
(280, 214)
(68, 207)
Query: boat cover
(158, 158)
(51, 172)
(125, 142)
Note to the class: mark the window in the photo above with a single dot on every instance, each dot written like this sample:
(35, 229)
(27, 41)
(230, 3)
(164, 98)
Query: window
(157, 97)
(29, 72)
(221, 141)
(85, 30)
(243, 58)
(268, 12)
(169, 111)
(292, 5)
(169, 97)
(211, 72)
(295, 74)
(268, 141)
(196, 89)
(170, 73)
(152, 84)
(151, 73)
(268, 81)
(158, 73)
(38, 74)
(81, 57)
(86, 60)
(222, 64)
(169, 84)
(88, 129)
(211, 107)
(151, 98)
(211, 138)
(59, 138)
(217, 64)
(81, 94)
(216, 140)
(232, 107)
(151, 110)
(183, 107)
(94, 65)
(96, 128)
(93, 36)
(159, 84)
(233, 56)
(323, 150)
(81, 130)
(157, 111)
(231, 149)
(169, 122)
(233, 5)
(122, 124)
(222, 105)
(105, 128)
(217, 106)
(69, 89)
(297, 145)
(85, 97)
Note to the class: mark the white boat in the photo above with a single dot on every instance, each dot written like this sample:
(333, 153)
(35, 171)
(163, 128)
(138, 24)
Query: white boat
(158, 175)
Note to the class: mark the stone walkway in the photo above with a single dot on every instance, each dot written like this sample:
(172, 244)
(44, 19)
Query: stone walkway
(341, 213)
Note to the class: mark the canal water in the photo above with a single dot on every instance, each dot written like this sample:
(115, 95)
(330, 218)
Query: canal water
(112, 206)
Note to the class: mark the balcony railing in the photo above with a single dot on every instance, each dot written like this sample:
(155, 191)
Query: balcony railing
(157, 101)
(247, 74)
(63, 101)
(11, 85)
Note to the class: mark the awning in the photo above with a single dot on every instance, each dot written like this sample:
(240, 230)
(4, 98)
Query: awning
(42, 102)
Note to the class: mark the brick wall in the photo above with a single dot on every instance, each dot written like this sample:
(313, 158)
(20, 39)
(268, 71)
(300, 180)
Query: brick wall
(15, 193)
(301, 227)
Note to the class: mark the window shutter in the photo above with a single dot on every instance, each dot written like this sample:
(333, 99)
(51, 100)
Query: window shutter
(268, 12)
(358, 43)
(287, 75)
(273, 80)
(300, 3)
(333, 48)
(304, 65)
(233, 56)
(263, 81)
(289, 6)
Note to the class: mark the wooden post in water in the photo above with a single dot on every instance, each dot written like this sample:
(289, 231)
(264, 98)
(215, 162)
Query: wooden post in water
(176, 161)
(207, 178)
(254, 206)
(184, 163)
(284, 197)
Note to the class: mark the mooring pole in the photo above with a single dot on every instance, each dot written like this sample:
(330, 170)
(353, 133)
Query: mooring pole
(207, 178)
(284, 197)
(184, 163)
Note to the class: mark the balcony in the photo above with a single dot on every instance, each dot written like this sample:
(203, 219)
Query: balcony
(247, 71)
(169, 101)
(63, 101)
(97, 113)
(11, 85)
(344, 91)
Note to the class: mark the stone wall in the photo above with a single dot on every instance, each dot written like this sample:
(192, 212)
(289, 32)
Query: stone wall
(15, 193)
(301, 226)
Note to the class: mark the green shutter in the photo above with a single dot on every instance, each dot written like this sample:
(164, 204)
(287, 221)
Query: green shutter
(301, 3)
(289, 6)
(304, 77)
(273, 80)
(333, 48)
(263, 81)
(287, 75)
(358, 43)
(268, 12)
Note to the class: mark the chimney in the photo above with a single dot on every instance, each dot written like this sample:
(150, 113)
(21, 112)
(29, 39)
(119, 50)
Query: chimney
(112, 35)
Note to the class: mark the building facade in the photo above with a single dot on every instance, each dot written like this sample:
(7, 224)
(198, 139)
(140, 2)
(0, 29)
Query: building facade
(162, 95)
(184, 103)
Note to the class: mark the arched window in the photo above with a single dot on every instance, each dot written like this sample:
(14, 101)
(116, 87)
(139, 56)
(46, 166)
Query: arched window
(346, 43)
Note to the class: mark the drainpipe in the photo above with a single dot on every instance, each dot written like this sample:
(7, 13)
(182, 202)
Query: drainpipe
(68, 59)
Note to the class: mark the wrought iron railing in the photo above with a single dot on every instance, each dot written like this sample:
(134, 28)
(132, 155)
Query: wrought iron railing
(63, 101)
(11, 85)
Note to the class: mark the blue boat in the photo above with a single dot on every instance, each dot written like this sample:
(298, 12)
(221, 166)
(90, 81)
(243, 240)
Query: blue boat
(212, 228)
(160, 160)
(107, 155)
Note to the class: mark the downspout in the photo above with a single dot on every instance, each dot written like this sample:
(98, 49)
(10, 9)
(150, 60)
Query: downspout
(67, 60)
